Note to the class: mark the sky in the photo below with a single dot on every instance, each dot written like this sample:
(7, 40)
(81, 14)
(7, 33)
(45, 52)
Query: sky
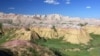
(73, 8)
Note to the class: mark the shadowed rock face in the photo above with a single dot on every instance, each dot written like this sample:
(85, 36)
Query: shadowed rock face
(6, 52)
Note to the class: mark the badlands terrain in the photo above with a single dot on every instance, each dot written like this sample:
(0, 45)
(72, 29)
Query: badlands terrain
(49, 35)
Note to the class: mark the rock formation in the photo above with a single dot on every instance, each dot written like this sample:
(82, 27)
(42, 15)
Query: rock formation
(77, 36)
(25, 48)
(72, 35)
(93, 29)
(23, 34)
(67, 27)
(44, 20)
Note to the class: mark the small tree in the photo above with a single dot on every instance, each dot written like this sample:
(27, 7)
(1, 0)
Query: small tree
(80, 24)
(54, 28)
(1, 28)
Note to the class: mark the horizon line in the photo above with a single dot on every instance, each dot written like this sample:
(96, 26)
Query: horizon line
(52, 14)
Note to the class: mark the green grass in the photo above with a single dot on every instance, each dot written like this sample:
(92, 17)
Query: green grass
(59, 46)
(96, 40)
(95, 52)
(6, 37)
(57, 43)
(77, 53)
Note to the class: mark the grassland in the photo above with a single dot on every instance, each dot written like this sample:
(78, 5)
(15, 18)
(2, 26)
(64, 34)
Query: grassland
(67, 49)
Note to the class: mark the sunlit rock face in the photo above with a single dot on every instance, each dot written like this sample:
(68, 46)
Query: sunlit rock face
(72, 35)
(41, 20)
(23, 34)
(47, 33)
(93, 29)
(53, 17)
(77, 36)
(26, 48)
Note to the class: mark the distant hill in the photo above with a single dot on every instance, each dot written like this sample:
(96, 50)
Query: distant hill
(45, 20)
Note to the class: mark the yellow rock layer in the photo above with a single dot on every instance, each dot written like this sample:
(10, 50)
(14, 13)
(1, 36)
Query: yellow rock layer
(72, 35)
(77, 36)
(46, 32)
(22, 34)
(93, 29)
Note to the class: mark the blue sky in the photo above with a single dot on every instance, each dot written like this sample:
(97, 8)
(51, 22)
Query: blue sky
(75, 8)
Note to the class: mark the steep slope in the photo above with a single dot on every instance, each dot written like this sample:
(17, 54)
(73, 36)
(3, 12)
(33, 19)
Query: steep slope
(72, 35)
(77, 36)
(93, 29)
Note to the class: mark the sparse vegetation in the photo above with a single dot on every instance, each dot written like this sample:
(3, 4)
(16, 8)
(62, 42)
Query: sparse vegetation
(82, 24)
(61, 48)
(67, 49)
(7, 36)
(54, 28)
(1, 30)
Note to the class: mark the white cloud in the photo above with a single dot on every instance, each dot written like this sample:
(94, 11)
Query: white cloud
(51, 2)
(88, 7)
(68, 1)
(12, 8)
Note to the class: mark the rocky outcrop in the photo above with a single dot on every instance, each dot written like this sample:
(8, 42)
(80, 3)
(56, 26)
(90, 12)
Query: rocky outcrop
(93, 29)
(41, 20)
(25, 34)
(77, 36)
(22, 34)
(66, 27)
(72, 35)
(25, 48)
